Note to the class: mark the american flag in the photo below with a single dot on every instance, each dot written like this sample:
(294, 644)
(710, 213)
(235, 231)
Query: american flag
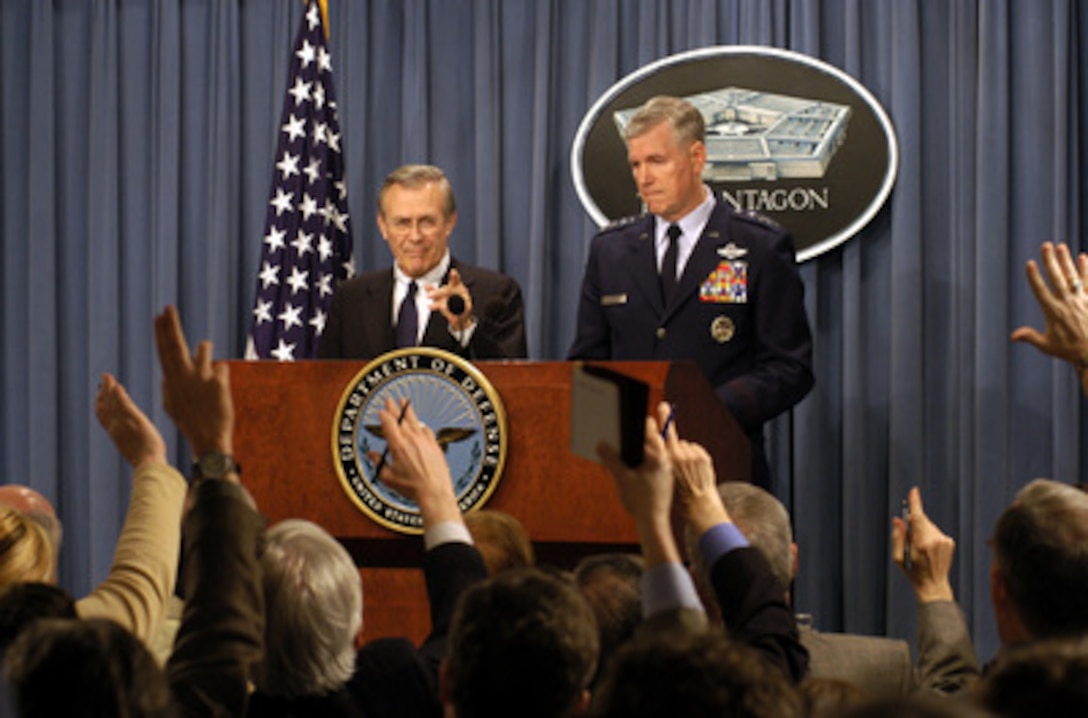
(306, 247)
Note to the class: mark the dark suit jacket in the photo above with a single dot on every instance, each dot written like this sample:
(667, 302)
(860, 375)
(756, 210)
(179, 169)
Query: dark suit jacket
(221, 636)
(754, 609)
(360, 319)
(392, 676)
(757, 354)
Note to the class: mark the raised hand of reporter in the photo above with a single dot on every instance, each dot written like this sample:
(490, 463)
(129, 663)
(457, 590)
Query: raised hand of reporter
(931, 553)
(417, 467)
(134, 435)
(196, 392)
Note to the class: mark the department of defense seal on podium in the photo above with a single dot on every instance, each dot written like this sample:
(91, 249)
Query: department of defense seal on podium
(452, 398)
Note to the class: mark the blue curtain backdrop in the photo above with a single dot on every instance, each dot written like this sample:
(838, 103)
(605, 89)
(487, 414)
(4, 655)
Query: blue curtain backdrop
(136, 156)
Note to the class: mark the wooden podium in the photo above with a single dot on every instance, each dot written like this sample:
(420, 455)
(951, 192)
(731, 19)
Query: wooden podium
(285, 414)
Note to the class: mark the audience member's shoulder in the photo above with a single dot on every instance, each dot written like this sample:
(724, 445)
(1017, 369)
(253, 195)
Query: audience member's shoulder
(830, 648)
(853, 639)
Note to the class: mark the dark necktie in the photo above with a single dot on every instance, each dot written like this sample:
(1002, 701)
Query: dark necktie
(668, 267)
(407, 319)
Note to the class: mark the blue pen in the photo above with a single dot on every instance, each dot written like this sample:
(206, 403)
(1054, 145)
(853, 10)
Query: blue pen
(668, 421)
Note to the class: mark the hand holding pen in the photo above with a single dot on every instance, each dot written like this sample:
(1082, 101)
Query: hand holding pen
(385, 451)
(927, 558)
(418, 469)
(668, 422)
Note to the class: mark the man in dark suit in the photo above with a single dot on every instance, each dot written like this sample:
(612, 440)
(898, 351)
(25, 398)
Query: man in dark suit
(693, 279)
(473, 312)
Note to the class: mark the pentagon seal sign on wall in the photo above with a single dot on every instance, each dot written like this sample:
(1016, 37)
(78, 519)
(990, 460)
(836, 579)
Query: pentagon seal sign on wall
(788, 136)
(452, 398)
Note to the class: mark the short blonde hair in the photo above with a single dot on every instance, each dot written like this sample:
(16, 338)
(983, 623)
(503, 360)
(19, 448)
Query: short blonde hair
(26, 553)
(501, 539)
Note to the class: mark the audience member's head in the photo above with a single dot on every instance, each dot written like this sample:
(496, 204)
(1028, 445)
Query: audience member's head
(612, 583)
(1039, 576)
(314, 611)
(501, 540)
(522, 643)
(830, 697)
(1045, 678)
(23, 603)
(693, 674)
(26, 552)
(763, 520)
(61, 667)
(916, 706)
(37, 507)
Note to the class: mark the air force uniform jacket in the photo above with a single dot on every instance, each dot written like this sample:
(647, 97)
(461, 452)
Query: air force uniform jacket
(737, 312)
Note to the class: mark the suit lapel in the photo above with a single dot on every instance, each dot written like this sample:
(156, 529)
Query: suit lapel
(704, 258)
(378, 317)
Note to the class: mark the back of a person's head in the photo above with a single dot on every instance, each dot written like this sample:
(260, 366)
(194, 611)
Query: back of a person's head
(26, 552)
(501, 540)
(314, 609)
(917, 705)
(695, 675)
(1040, 546)
(612, 583)
(1044, 678)
(84, 669)
(762, 519)
(522, 643)
(23, 603)
(38, 508)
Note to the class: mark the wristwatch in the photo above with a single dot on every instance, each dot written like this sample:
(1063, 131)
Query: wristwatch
(215, 465)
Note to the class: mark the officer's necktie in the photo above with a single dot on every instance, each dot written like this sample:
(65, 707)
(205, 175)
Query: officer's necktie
(668, 267)
(408, 319)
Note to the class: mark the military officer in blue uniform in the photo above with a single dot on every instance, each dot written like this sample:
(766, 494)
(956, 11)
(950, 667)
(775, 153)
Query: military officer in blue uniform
(693, 279)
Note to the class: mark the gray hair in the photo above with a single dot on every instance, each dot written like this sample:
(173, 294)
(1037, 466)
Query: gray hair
(686, 121)
(763, 520)
(314, 609)
(1040, 546)
(414, 177)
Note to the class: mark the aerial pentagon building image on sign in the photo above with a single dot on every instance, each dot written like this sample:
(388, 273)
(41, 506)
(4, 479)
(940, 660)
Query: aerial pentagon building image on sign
(753, 135)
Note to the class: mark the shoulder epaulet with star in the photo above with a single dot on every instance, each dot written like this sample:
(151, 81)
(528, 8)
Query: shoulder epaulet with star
(757, 218)
(621, 223)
